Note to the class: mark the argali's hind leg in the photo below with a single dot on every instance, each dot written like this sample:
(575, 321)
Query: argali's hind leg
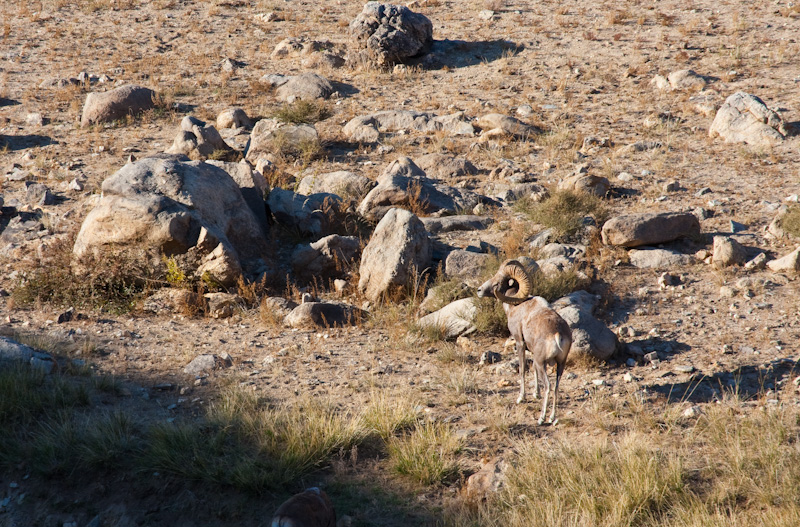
(541, 371)
(559, 371)
(522, 368)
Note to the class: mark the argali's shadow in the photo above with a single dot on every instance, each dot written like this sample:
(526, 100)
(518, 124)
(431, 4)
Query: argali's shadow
(22, 142)
(747, 382)
(462, 53)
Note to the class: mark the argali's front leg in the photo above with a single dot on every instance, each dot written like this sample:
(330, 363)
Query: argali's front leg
(522, 366)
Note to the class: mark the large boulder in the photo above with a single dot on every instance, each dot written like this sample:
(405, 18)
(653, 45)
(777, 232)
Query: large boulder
(398, 250)
(327, 257)
(455, 319)
(650, 228)
(252, 184)
(404, 184)
(387, 34)
(233, 118)
(342, 183)
(744, 118)
(651, 258)
(271, 136)
(103, 107)
(170, 206)
(198, 140)
(306, 86)
(443, 166)
(324, 314)
(589, 335)
(466, 265)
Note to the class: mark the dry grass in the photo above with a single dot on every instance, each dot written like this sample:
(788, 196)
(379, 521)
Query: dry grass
(726, 468)
(564, 211)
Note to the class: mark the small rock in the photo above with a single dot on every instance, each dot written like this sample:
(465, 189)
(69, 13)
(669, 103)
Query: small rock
(627, 377)
(651, 357)
(681, 368)
(692, 411)
(490, 357)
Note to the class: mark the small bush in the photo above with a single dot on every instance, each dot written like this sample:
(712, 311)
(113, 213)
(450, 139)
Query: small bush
(301, 111)
(791, 221)
(564, 211)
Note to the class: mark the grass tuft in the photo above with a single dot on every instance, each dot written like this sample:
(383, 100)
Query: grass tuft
(564, 211)
(427, 454)
(303, 112)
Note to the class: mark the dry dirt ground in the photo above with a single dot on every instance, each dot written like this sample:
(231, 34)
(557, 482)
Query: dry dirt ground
(584, 68)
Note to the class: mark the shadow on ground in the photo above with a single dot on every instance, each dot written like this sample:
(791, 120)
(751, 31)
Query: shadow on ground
(461, 53)
(748, 382)
(21, 142)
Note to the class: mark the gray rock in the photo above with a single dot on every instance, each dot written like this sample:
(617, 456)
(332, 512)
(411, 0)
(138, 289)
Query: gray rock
(404, 184)
(173, 300)
(252, 185)
(744, 118)
(651, 258)
(223, 305)
(487, 481)
(38, 194)
(507, 125)
(324, 314)
(387, 34)
(278, 307)
(686, 80)
(367, 128)
(589, 335)
(270, 136)
(466, 265)
(790, 262)
(442, 166)
(727, 252)
(583, 182)
(307, 86)
(308, 214)
(233, 118)
(12, 351)
(398, 251)
(511, 192)
(342, 183)
(101, 107)
(633, 230)
(465, 222)
(198, 140)
(453, 320)
(327, 257)
(206, 363)
(189, 210)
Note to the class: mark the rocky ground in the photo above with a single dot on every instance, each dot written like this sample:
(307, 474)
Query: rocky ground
(586, 75)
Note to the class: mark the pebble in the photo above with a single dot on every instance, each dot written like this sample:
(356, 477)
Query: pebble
(627, 377)
(682, 368)
(599, 382)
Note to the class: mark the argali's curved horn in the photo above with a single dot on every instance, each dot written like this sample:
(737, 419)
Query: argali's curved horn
(515, 271)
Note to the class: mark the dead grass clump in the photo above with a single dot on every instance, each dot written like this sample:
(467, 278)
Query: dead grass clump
(791, 221)
(553, 286)
(113, 281)
(302, 111)
(564, 211)
(490, 317)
